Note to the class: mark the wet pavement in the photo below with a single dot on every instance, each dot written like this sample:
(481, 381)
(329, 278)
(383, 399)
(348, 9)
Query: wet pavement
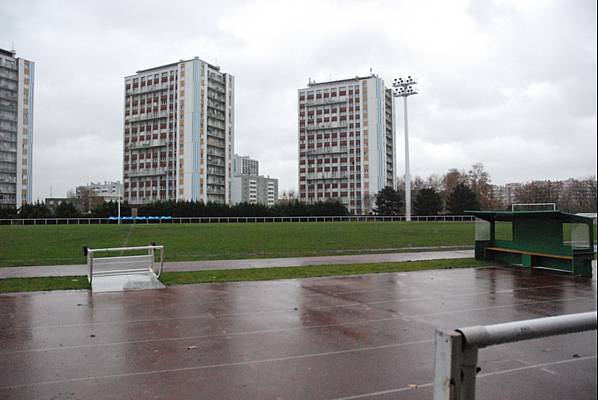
(69, 270)
(354, 337)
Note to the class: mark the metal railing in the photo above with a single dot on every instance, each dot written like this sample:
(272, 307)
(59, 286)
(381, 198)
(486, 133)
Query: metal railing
(123, 265)
(231, 220)
(456, 352)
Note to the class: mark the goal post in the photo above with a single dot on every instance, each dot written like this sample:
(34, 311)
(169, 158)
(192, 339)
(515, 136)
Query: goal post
(533, 207)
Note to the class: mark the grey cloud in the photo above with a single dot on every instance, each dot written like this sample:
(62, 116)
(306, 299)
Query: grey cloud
(511, 84)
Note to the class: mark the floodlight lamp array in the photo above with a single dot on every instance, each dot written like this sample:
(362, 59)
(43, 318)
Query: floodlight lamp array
(404, 87)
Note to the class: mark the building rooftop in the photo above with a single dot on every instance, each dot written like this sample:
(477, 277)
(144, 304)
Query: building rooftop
(10, 53)
(217, 68)
(357, 78)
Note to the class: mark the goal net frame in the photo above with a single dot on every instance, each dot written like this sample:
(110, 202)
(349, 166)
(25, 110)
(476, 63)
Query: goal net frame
(533, 207)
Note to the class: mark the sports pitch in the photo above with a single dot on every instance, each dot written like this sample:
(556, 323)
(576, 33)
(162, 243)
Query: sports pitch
(62, 244)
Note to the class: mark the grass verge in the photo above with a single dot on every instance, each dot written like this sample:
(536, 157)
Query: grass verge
(43, 284)
(236, 275)
(265, 274)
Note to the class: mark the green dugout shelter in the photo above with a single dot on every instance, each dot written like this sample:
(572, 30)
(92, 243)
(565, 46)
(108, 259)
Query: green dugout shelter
(549, 239)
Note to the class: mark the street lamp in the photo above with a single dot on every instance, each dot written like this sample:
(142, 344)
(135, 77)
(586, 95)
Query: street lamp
(405, 88)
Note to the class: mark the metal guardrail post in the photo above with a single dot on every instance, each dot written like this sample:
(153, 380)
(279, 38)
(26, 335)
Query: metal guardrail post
(456, 352)
(88, 254)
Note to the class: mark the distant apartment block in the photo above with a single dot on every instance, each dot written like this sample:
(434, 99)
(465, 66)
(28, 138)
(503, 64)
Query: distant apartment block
(505, 194)
(243, 165)
(254, 189)
(178, 133)
(250, 187)
(16, 129)
(108, 191)
(346, 141)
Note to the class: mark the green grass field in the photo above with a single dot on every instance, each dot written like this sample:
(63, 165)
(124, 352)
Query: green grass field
(12, 285)
(62, 244)
(266, 274)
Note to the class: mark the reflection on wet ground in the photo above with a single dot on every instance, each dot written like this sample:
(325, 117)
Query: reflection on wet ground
(352, 337)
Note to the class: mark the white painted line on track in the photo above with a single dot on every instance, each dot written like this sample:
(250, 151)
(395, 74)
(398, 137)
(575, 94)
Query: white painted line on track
(201, 367)
(429, 384)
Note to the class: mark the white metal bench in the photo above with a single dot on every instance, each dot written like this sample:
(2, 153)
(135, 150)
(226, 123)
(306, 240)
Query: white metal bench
(122, 264)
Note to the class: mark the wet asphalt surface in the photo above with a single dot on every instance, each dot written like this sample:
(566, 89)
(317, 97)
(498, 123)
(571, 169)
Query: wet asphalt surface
(356, 337)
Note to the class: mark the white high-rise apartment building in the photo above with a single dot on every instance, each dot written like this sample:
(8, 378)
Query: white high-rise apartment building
(16, 129)
(346, 142)
(254, 189)
(109, 191)
(244, 165)
(178, 133)
(248, 186)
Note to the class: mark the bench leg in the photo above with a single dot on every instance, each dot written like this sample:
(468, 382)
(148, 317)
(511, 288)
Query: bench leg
(582, 266)
(526, 260)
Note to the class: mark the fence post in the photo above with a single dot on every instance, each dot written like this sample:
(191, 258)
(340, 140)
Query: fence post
(447, 360)
(456, 352)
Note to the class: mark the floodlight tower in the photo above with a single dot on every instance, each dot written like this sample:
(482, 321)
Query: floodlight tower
(118, 197)
(405, 88)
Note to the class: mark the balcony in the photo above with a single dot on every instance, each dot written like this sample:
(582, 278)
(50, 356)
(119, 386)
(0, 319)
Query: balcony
(215, 123)
(10, 95)
(8, 179)
(215, 181)
(220, 192)
(214, 152)
(147, 144)
(327, 175)
(327, 150)
(218, 171)
(328, 125)
(148, 88)
(217, 162)
(329, 100)
(216, 114)
(217, 87)
(147, 116)
(216, 97)
(216, 105)
(9, 107)
(147, 172)
(215, 134)
(216, 143)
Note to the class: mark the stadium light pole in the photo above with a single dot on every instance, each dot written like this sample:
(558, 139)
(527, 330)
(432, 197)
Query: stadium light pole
(119, 191)
(405, 88)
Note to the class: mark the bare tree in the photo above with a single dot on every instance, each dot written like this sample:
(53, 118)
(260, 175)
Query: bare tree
(578, 195)
(538, 192)
(434, 181)
(480, 183)
(450, 181)
(592, 192)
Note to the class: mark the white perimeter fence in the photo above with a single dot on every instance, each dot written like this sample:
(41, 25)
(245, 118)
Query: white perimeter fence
(231, 220)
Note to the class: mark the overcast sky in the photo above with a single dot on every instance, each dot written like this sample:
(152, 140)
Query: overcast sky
(510, 83)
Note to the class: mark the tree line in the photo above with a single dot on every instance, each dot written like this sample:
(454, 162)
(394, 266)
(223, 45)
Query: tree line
(450, 193)
(456, 191)
(428, 201)
(293, 208)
